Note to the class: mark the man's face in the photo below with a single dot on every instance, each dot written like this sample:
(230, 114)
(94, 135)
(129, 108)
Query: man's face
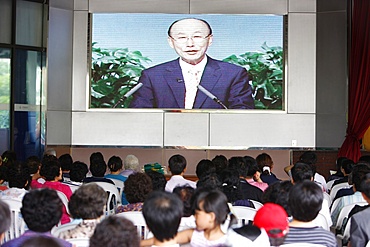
(190, 38)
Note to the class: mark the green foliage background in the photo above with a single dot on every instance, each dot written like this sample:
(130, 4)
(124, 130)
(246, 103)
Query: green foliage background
(115, 72)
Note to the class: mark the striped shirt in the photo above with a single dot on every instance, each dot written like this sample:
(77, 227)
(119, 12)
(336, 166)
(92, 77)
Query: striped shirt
(312, 235)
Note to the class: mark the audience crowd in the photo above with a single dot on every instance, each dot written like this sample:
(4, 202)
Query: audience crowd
(62, 201)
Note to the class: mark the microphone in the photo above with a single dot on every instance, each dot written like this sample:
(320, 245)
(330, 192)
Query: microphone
(129, 93)
(210, 95)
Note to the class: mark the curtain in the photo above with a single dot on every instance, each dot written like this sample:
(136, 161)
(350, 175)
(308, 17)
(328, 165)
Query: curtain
(359, 81)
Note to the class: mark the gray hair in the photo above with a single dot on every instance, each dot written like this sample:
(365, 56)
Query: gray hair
(131, 162)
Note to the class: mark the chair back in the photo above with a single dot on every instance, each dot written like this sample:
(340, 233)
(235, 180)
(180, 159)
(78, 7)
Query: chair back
(327, 198)
(56, 230)
(137, 218)
(344, 212)
(17, 226)
(244, 214)
(335, 188)
(79, 242)
(119, 184)
(257, 205)
(320, 220)
(114, 198)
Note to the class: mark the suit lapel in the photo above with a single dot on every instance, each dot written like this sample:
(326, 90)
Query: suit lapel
(176, 82)
(210, 77)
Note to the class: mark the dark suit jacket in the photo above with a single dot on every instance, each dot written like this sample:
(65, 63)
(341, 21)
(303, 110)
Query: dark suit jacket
(164, 87)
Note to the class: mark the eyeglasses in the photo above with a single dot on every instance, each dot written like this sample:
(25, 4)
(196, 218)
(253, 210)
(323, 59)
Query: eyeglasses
(195, 38)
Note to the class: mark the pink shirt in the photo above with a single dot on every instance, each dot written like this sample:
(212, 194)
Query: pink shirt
(262, 186)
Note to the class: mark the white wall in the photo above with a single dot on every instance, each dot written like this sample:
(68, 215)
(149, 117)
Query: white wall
(199, 129)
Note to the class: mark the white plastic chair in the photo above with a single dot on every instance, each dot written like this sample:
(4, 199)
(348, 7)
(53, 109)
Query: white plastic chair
(64, 199)
(257, 205)
(114, 198)
(344, 237)
(119, 184)
(327, 198)
(320, 220)
(56, 230)
(79, 242)
(330, 184)
(244, 214)
(137, 218)
(337, 187)
(343, 214)
(17, 226)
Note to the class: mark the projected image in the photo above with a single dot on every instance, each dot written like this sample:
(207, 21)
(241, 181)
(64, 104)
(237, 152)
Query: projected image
(211, 62)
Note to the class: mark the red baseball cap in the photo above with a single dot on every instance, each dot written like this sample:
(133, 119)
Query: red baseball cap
(273, 218)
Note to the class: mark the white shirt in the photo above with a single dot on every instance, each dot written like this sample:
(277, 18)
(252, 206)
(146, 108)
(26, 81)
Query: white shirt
(190, 84)
(178, 180)
(318, 178)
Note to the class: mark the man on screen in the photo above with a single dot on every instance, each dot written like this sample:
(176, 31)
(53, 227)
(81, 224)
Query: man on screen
(174, 84)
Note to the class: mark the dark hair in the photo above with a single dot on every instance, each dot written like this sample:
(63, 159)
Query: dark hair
(18, 175)
(210, 181)
(365, 158)
(42, 241)
(9, 157)
(177, 164)
(78, 171)
(252, 165)
(238, 163)
(41, 209)
(158, 180)
(358, 174)
(347, 166)
(33, 163)
(115, 231)
(278, 193)
(66, 162)
(308, 157)
(5, 218)
(3, 173)
(115, 163)
(185, 193)
(301, 171)
(365, 185)
(98, 168)
(220, 162)
(263, 160)
(50, 168)
(162, 212)
(305, 199)
(213, 201)
(88, 202)
(96, 157)
(207, 24)
(204, 167)
(137, 187)
(230, 185)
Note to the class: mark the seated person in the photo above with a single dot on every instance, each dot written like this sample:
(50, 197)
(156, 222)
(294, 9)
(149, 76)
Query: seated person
(158, 180)
(131, 165)
(19, 180)
(204, 167)
(87, 203)
(98, 167)
(34, 164)
(247, 235)
(278, 193)
(254, 173)
(346, 168)
(177, 167)
(115, 231)
(5, 219)
(41, 241)
(115, 168)
(305, 199)
(41, 210)
(185, 193)
(137, 188)
(220, 162)
(76, 175)
(52, 172)
(162, 212)
(266, 165)
(66, 163)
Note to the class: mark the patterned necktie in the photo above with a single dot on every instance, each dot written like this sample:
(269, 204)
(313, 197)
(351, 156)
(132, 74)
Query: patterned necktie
(191, 88)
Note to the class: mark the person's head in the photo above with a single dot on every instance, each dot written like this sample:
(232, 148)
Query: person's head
(162, 212)
(274, 219)
(359, 172)
(265, 163)
(34, 164)
(252, 166)
(365, 158)
(278, 193)
(50, 151)
(66, 162)
(115, 231)
(137, 187)
(41, 209)
(301, 171)
(190, 39)
(18, 175)
(211, 209)
(308, 157)
(50, 169)
(98, 168)
(177, 164)
(238, 163)
(185, 193)
(347, 166)
(365, 187)
(230, 185)
(158, 180)
(338, 164)
(131, 162)
(115, 164)
(209, 181)
(78, 171)
(5, 218)
(41, 241)
(8, 157)
(204, 167)
(220, 162)
(88, 202)
(305, 199)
